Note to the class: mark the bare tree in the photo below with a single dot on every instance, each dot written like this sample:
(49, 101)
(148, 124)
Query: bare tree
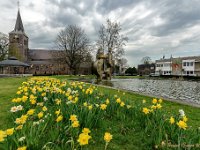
(75, 43)
(146, 60)
(3, 46)
(122, 63)
(110, 38)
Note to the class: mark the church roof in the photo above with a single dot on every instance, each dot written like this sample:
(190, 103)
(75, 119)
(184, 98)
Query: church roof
(19, 25)
(12, 61)
(44, 54)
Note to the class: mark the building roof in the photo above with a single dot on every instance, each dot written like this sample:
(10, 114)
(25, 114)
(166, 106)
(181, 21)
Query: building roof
(45, 54)
(12, 61)
(19, 28)
(196, 58)
(19, 25)
(190, 57)
(164, 60)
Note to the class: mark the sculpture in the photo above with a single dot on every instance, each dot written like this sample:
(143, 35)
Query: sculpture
(103, 65)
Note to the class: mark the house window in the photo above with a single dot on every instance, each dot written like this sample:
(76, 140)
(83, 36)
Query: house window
(191, 63)
(191, 72)
(184, 64)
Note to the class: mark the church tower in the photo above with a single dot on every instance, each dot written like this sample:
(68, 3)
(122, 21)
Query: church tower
(18, 40)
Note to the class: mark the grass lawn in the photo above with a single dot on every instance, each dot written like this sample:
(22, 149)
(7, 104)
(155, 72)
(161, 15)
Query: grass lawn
(124, 137)
(8, 88)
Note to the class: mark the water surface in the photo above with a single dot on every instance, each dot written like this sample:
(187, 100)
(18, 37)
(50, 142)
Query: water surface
(187, 91)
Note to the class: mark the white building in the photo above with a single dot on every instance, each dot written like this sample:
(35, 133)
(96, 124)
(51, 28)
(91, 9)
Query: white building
(163, 67)
(181, 66)
(188, 67)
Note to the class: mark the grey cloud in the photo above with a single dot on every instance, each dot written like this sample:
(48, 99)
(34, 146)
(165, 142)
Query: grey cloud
(31, 5)
(39, 37)
(62, 19)
(11, 4)
(105, 6)
(88, 5)
(178, 15)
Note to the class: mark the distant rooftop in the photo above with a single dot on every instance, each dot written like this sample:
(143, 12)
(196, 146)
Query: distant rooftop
(196, 58)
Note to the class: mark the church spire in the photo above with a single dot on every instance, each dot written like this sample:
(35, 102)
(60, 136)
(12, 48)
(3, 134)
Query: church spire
(19, 25)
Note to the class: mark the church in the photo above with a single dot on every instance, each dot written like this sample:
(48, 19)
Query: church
(35, 61)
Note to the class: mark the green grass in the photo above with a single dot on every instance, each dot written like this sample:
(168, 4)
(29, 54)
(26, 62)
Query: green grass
(8, 88)
(124, 137)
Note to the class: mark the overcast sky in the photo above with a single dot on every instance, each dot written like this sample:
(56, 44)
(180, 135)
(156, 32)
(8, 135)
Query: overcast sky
(154, 28)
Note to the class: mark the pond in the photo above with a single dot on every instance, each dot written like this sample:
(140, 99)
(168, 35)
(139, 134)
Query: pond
(186, 91)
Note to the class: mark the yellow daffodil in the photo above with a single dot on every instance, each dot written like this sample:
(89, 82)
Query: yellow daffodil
(83, 139)
(25, 89)
(85, 104)
(24, 98)
(107, 101)
(43, 94)
(2, 135)
(18, 92)
(70, 98)
(57, 112)
(118, 100)
(10, 131)
(103, 106)
(58, 101)
(122, 104)
(172, 120)
(22, 148)
(182, 124)
(154, 101)
(59, 118)
(107, 137)
(153, 107)
(67, 94)
(19, 127)
(158, 106)
(40, 115)
(44, 108)
(75, 124)
(76, 99)
(145, 110)
(33, 101)
(160, 100)
(90, 107)
(143, 101)
(30, 112)
(73, 118)
(21, 120)
(86, 130)
(185, 119)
